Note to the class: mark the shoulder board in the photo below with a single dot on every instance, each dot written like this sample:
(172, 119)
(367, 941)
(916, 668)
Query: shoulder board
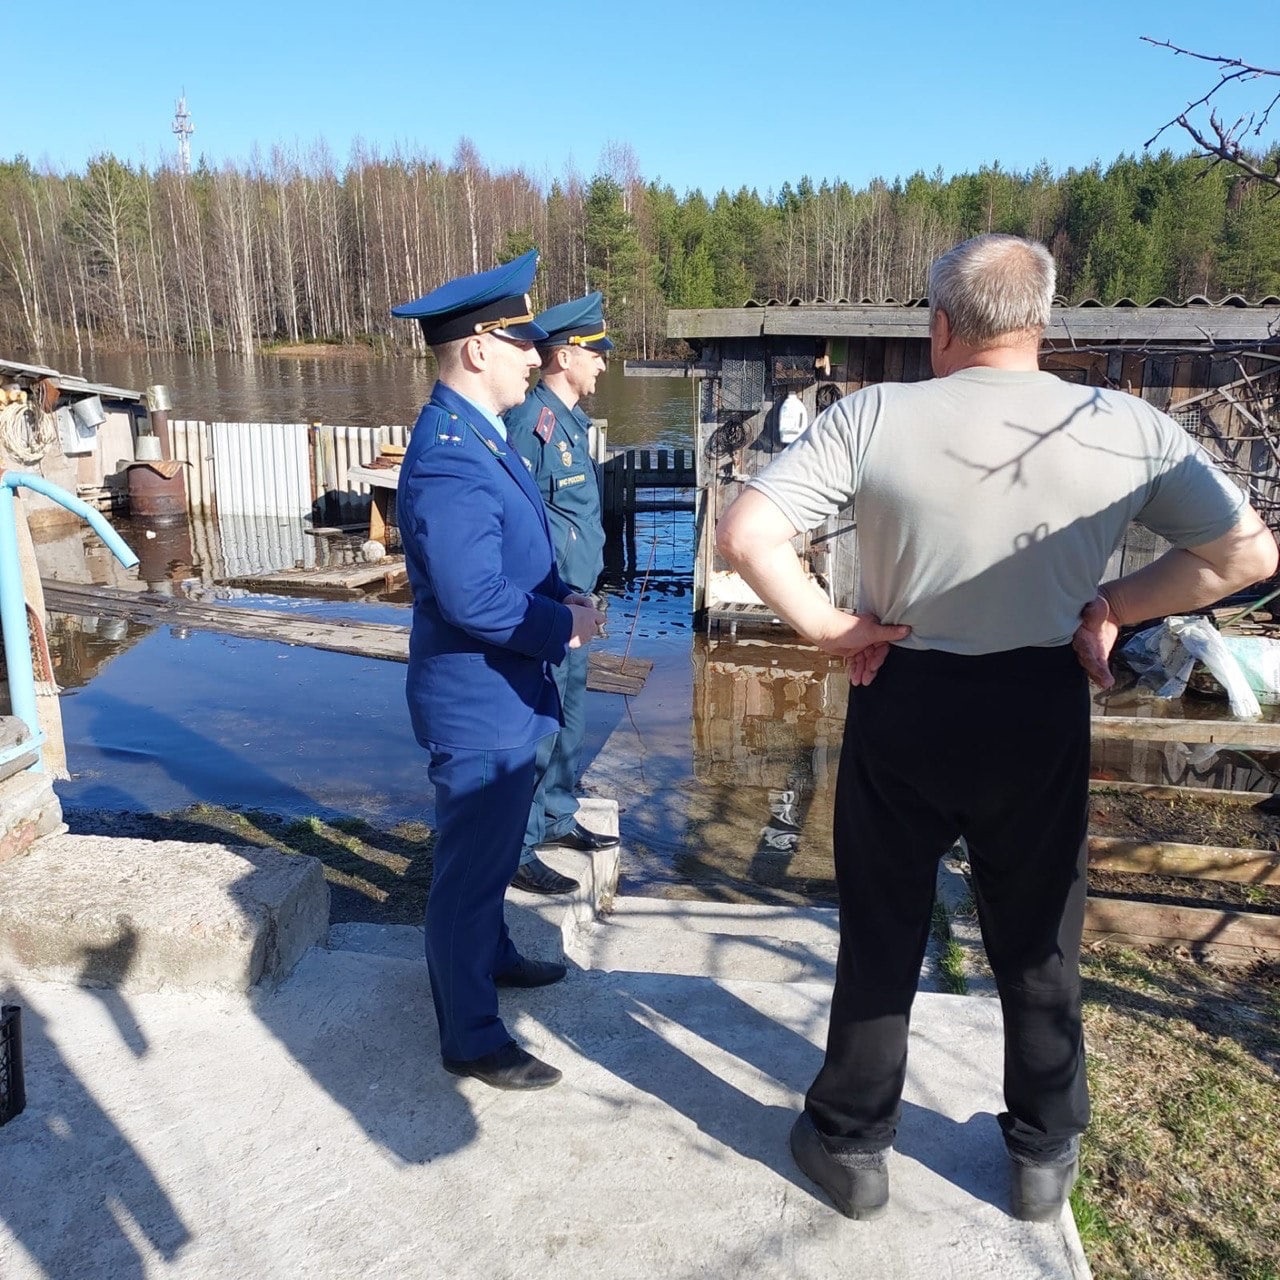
(545, 427)
(444, 428)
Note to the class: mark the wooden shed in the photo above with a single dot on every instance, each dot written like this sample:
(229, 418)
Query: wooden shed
(1215, 367)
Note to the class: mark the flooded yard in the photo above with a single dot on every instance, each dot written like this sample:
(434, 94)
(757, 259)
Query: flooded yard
(723, 766)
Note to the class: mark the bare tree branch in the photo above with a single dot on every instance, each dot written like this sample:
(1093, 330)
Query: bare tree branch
(1226, 145)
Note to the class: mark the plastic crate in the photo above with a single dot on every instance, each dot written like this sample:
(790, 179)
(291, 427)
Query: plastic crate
(13, 1093)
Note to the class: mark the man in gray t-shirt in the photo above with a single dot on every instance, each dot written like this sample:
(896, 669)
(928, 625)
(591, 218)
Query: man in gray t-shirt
(988, 502)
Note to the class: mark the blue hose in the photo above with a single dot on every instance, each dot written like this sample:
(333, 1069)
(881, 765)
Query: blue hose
(13, 603)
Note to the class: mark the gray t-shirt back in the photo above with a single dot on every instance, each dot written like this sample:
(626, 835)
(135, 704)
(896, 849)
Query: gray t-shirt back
(988, 502)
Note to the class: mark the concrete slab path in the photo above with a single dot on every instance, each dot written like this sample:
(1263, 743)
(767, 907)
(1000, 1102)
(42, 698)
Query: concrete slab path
(311, 1132)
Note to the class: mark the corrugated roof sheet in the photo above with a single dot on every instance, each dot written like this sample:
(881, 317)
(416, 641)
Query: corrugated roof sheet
(1232, 319)
(1195, 300)
(69, 382)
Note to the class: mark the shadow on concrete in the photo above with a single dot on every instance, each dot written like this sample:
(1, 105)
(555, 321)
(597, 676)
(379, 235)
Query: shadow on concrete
(655, 1033)
(111, 964)
(64, 1138)
(363, 1028)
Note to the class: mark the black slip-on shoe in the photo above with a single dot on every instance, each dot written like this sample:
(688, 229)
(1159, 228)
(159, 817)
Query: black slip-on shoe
(579, 838)
(1040, 1187)
(856, 1181)
(535, 876)
(531, 973)
(510, 1067)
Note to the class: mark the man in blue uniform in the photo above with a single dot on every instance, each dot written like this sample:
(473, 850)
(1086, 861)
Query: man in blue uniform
(491, 615)
(549, 431)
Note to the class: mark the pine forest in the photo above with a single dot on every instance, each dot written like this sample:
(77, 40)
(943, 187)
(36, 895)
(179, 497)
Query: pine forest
(300, 249)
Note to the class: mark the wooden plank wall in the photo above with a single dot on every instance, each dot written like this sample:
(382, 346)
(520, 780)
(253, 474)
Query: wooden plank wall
(1205, 391)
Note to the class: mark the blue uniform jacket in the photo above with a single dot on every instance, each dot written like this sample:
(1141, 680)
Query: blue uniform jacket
(559, 459)
(487, 617)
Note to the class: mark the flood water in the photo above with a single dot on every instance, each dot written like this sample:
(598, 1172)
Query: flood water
(723, 766)
(361, 392)
(722, 771)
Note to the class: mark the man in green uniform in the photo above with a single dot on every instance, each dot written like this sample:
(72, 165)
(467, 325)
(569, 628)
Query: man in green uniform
(549, 431)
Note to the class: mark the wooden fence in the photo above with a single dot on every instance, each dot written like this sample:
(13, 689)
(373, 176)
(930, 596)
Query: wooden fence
(628, 471)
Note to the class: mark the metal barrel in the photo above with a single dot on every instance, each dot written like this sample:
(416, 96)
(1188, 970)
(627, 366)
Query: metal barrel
(155, 497)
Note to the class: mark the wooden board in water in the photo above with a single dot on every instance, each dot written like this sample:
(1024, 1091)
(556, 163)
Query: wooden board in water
(388, 641)
(340, 579)
(609, 673)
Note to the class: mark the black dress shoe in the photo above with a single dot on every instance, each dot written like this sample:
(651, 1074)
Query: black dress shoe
(584, 841)
(535, 876)
(531, 973)
(509, 1068)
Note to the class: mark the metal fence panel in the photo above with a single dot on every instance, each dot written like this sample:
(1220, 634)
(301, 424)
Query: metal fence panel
(262, 469)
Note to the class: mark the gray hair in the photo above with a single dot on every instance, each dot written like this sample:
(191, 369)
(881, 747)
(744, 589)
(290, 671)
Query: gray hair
(993, 287)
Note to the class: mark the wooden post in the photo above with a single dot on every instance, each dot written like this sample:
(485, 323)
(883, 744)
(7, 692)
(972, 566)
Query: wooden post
(629, 482)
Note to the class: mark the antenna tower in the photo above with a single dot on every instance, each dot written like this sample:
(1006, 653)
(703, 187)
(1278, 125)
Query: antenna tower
(183, 127)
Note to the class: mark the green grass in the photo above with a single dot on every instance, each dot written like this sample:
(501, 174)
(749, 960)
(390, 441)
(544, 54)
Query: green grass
(951, 964)
(1181, 1165)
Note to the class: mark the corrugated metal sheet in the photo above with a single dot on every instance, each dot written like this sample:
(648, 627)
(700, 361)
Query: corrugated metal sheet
(278, 470)
(1059, 300)
(193, 442)
(262, 469)
(255, 544)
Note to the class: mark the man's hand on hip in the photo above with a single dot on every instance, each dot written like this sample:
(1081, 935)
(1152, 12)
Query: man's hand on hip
(1094, 640)
(861, 639)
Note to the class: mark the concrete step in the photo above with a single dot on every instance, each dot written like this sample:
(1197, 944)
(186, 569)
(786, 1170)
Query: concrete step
(139, 915)
(29, 810)
(713, 940)
(543, 927)
(251, 1137)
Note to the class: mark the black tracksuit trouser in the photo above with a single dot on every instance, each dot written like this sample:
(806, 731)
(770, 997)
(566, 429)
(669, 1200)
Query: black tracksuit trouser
(994, 748)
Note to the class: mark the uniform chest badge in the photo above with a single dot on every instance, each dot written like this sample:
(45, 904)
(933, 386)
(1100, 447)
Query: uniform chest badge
(566, 457)
(545, 427)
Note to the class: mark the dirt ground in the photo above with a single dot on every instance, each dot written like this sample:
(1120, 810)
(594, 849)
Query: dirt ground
(1132, 815)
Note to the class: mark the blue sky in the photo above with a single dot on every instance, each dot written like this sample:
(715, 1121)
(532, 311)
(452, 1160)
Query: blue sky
(708, 94)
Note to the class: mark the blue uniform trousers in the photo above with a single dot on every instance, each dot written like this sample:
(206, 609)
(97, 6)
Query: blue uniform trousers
(482, 798)
(555, 806)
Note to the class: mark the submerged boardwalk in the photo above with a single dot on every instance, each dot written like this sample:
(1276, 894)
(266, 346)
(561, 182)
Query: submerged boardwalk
(608, 673)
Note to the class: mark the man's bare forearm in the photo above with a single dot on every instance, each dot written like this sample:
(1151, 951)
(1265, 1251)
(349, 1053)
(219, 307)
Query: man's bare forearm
(776, 575)
(755, 538)
(1186, 579)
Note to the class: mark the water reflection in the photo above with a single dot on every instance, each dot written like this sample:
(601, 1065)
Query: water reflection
(1180, 763)
(362, 391)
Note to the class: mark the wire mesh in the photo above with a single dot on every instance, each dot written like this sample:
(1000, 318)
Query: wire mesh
(741, 383)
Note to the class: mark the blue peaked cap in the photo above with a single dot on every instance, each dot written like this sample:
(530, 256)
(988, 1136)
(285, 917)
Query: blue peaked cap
(579, 323)
(495, 299)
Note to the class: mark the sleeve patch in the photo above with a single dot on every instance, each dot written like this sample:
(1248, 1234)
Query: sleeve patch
(545, 426)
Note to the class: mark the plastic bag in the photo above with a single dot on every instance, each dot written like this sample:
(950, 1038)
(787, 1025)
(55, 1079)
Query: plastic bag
(1165, 654)
(1259, 659)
